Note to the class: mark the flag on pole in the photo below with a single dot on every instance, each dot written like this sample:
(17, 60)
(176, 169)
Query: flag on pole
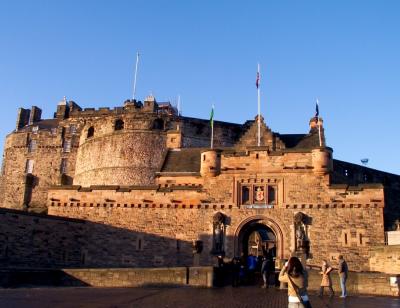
(212, 116)
(258, 77)
(317, 111)
(212, 126)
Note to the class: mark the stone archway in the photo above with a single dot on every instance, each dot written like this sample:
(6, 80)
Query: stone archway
(257, 222)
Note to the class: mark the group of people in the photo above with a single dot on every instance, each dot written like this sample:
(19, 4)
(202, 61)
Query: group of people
(296, 277)
(244, 269)
(293, 273)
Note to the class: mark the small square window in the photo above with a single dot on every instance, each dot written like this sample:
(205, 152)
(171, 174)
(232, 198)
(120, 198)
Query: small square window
(29, 166)
(67, 146)
(63, 167)
(32, 146)
(72, 129)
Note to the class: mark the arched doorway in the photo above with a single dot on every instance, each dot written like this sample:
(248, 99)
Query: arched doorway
(257, 239)
(257, 234)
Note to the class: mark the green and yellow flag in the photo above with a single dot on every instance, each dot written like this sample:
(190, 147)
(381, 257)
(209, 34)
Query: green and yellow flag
(212, 116)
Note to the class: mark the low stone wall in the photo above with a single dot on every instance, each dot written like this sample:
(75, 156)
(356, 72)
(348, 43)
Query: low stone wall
(385, 259)
(137, 277)
(360, 283)
(112, 277)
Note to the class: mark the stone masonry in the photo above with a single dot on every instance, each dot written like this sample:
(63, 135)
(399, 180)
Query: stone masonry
(143, 188)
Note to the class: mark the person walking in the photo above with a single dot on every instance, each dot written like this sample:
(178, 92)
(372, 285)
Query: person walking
(326, 279)
(296, 277)
(343, 271)
(235, 272)
(267, 269)
(251, 268)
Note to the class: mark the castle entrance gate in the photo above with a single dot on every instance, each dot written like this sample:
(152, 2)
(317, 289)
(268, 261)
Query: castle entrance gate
(258, 234)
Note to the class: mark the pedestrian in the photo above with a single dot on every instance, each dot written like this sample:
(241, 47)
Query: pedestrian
(235, 272)
(296, 277)
(343, 271)
(267, 269)
(326, 279)
(251, 268)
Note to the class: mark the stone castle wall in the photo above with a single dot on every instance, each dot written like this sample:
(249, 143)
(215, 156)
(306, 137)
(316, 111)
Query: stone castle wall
(21, 189)
(186, 225)
(140, 237)
(130, 156)
(385, 259)
(120, 159)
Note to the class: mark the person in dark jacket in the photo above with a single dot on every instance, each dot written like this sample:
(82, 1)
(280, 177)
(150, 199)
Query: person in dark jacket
(267, 269)
(343, 271)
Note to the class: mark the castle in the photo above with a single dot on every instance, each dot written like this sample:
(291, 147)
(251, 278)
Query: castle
(139, 185)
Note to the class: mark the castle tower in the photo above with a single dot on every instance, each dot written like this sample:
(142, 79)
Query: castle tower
(210, 163)
(322, 155)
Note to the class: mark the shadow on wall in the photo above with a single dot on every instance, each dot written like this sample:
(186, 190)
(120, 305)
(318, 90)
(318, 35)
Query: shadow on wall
(30, 240)
(12, 278)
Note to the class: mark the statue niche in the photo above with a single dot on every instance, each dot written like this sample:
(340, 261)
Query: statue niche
(300, 227)
(219, 226)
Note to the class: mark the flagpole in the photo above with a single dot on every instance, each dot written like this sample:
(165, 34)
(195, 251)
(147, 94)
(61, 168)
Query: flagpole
(319, 133)
(319, 126)
(259, 108)
(134, 82)
(212, 127)
(212, 136)
(179, 105)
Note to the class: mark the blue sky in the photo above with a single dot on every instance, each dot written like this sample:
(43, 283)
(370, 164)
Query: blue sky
(346, 53)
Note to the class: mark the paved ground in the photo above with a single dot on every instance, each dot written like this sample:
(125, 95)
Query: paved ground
(173, 297)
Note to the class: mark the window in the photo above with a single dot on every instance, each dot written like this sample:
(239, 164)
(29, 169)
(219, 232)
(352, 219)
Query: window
(63, 167)
(119, 125)
(53, 131)
(72, 129)
(245, 194)
(67, 146)
(90, 132)
(35, 129)
(271, 195)
(139, 243)
(32, 146)
(29, 166)
(158, 124)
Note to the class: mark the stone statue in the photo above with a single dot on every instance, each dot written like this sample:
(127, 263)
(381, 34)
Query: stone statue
(302, 241)
(218, 233)
(397, 225)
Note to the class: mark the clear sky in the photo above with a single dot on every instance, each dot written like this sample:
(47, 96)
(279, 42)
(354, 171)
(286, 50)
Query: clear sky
(346, 53)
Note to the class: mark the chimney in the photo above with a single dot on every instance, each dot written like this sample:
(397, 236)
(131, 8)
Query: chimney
(35, 116)
(150, 104)
(62, 109)
(22, 118)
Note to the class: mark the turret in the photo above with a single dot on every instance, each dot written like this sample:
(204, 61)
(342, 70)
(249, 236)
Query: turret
(174, 138)
(322, 160)
(210, 162)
